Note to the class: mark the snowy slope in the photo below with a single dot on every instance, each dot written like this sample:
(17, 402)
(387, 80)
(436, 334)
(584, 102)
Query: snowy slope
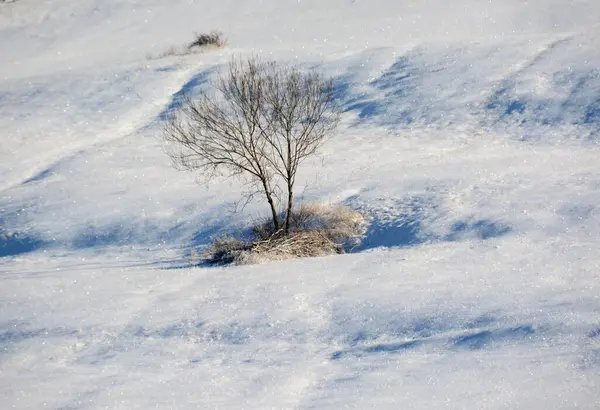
(469, 140)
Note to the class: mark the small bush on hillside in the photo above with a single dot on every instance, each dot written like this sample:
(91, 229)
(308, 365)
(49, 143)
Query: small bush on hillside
(316, 230)
(212, 39)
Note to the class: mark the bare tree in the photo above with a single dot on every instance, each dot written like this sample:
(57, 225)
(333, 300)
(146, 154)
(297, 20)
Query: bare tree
(259, 123)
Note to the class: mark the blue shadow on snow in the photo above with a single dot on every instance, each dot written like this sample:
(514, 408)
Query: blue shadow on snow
(18, 244)
(189, 87)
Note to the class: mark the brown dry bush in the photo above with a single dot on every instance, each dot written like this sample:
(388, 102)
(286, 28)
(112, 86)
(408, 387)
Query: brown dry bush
(316, 230)
(226, 250)
(212, 39)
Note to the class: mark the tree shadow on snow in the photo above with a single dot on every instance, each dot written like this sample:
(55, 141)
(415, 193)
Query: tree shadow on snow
(146, 233)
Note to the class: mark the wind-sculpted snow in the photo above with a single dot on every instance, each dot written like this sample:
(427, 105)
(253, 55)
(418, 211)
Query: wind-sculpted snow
(469, 142)
(533, 91)
(314, 327)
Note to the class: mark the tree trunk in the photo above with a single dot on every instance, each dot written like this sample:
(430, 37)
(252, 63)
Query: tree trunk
(274, 215)
(290, 181)
(290, 207)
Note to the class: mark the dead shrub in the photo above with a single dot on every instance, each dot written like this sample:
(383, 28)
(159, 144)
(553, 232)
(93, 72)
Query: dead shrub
(297, 245)
(316, 230)
(226, 250)
(212, 39)
(339, 223)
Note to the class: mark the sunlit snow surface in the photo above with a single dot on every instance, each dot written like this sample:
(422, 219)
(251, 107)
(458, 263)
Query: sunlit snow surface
(469, 141)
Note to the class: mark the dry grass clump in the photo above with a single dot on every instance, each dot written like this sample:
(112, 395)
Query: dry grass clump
(226, 250)
(317, 230)
(212, 39)
(339, 224)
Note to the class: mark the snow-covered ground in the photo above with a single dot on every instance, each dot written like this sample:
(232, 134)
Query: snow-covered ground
(469, 140)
